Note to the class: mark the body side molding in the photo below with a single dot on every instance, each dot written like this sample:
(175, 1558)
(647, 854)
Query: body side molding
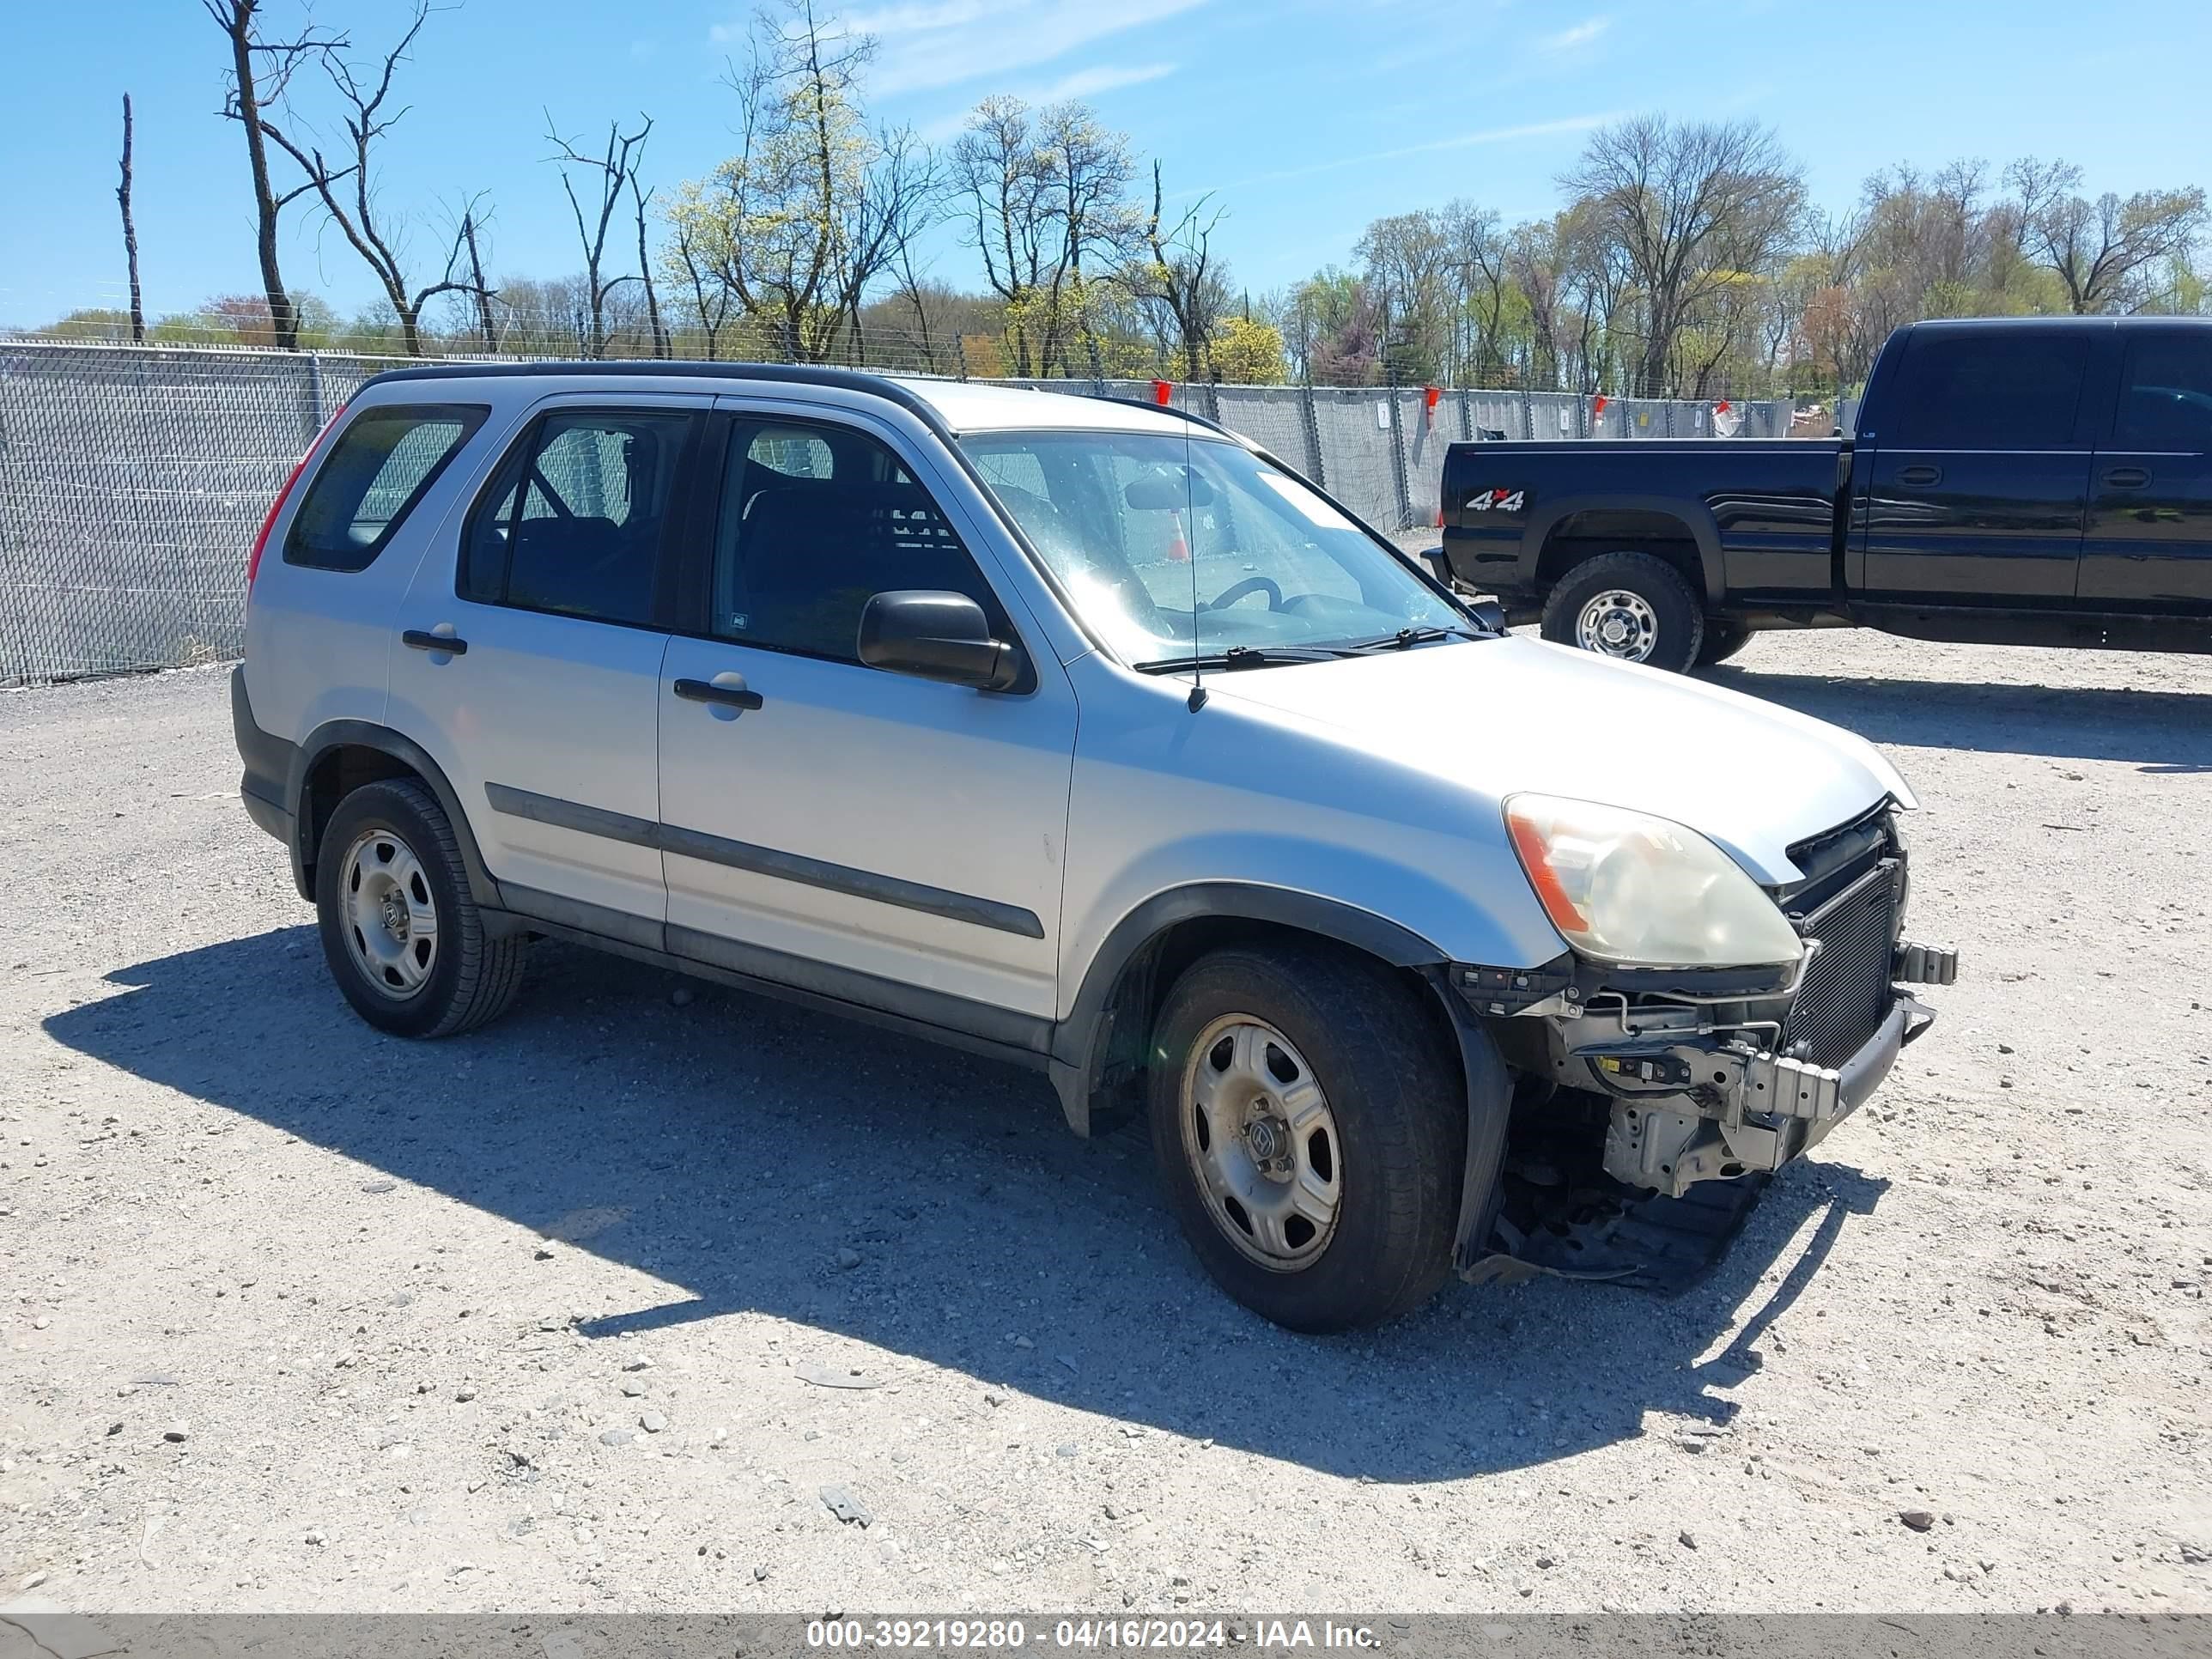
(766, 861)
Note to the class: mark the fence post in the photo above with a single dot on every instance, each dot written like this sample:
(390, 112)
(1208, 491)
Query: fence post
(1466, 415)
(1310, 419)
(960, 352)
(316, 417)
(1528, 413)
(1397, 459)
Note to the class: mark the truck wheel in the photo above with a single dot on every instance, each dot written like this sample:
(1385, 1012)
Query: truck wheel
(1722, 640)
(1311, 1127)
(1629, 605)
(404, 939)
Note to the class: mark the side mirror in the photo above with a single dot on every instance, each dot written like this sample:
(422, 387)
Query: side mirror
(937, 636)
(1489, 613)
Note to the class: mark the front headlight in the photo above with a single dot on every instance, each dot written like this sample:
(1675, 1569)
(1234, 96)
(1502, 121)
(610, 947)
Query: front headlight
(1625, 887)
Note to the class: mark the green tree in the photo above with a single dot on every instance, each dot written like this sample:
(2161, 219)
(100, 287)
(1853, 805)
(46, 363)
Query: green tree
(1248, 353)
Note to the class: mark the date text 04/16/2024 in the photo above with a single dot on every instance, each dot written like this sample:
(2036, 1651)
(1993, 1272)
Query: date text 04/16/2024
(1012, 1635)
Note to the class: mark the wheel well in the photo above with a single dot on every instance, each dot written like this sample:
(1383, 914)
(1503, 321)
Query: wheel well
(337, 773)
(1123, 1054)
(1581, 536)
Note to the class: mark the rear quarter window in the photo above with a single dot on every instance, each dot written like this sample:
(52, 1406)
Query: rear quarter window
(383, 462)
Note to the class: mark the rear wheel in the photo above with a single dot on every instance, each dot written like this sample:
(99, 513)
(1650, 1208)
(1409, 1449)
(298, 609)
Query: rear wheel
(1310, 1129)
(1633, 606)
(403, 938)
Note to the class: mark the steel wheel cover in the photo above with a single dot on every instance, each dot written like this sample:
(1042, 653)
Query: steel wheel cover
(391, 920)
(1261, 1142)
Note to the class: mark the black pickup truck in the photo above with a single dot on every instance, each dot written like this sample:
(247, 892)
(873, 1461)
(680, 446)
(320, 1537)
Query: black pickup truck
(2032, 481)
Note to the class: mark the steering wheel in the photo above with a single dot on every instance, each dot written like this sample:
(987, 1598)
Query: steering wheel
(1222, 600)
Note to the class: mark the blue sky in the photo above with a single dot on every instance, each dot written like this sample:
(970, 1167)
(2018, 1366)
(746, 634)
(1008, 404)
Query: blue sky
(1308, 117)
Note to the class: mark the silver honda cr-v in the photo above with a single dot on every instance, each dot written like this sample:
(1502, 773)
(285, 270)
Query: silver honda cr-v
(1085, 735)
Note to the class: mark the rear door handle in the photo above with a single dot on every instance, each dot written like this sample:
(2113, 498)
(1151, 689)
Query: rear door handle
(2127, 477)
(729, 697)
(417, 639)
(1920, 475)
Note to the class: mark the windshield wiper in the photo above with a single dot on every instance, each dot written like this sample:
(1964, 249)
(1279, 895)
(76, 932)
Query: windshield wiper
(1405, 637)
(1242, 656)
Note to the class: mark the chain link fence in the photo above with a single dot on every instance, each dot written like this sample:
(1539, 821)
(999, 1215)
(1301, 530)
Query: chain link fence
(133, 478)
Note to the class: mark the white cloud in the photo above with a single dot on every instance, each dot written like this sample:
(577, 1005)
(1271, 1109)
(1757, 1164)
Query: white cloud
(927, 44)
(1580, 35)
(1461, 141)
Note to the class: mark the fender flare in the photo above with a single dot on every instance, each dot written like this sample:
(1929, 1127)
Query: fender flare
(1073, 1037)
(366, 734)
(1692, 514)
(1073, 1060)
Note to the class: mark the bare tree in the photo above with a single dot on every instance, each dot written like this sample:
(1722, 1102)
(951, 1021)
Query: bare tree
(260, 71)
(617, 166)
(1476, 254)
(1183, 276)
(487, 319)
(711, 298)
(368, 119)
(900, 191)
(2101, 249)
(1043, 191)
(1689, 207)
(131, 231)
(1405, 268)
(639, 198)
(1002, 175)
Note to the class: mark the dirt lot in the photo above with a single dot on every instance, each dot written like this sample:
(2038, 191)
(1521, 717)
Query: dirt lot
(295, 1316)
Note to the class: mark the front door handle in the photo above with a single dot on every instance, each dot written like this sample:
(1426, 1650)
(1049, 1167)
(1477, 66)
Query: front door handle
(729, 697)
(1920, 475)
(2127, 477)
(417, 639)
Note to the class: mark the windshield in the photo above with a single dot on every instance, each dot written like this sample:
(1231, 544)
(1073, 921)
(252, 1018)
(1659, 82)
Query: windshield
(1169, 548)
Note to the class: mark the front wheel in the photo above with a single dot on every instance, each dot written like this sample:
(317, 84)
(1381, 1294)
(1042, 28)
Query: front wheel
(1311, 1129)
(1633, 606)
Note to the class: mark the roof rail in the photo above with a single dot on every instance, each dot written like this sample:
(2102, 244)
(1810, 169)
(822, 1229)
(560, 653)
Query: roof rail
(844, 379)
(1180, 414)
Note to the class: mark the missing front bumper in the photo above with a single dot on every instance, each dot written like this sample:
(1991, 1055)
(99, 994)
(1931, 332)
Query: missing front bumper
(1738, 1110)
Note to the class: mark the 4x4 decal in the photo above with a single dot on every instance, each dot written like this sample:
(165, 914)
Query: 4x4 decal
(1502, 501)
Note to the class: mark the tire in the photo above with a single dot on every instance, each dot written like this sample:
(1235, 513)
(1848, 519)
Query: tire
(1391, 1140)
(1635, 598)
(1721, 641)
(389, 855)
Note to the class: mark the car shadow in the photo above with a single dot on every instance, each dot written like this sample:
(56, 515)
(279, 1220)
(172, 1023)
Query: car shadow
(2161, 732)
(733, 1146)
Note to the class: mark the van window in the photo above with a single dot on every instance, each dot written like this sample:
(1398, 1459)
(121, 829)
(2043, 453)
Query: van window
(1998, 388)
(573, 521)
(383, 462)
(2166, 396)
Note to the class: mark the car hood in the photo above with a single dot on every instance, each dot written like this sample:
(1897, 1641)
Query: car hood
(1504, 716)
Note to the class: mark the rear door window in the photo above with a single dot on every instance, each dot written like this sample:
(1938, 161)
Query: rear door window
(574, 520)
(2166, 394)
(383, 462)
(1999, 388)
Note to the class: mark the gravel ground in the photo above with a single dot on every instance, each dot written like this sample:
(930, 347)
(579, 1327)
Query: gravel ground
(294, 1316)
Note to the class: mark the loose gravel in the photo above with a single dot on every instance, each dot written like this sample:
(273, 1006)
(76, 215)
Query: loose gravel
(658, 1295)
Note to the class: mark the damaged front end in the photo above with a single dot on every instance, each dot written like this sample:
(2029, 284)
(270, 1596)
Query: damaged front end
(1704, 1075)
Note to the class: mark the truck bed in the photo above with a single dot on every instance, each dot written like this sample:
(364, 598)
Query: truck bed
(1759, 516)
